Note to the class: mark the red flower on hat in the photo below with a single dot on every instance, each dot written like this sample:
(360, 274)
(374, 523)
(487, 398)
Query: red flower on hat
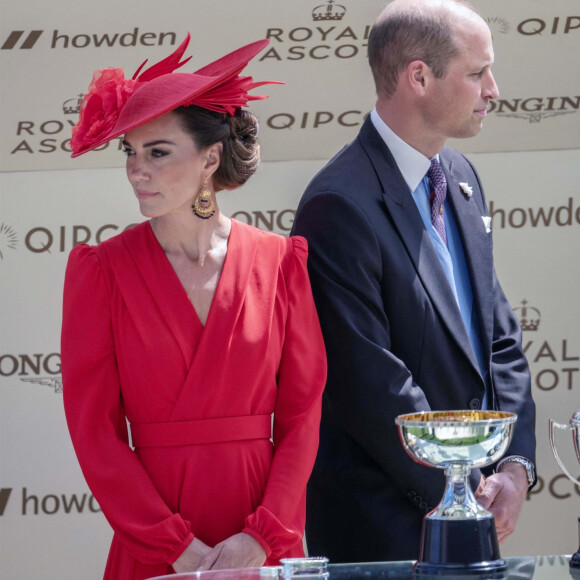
(108, 92)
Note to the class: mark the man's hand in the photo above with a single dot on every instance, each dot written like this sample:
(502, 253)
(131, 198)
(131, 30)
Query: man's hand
(503, 494)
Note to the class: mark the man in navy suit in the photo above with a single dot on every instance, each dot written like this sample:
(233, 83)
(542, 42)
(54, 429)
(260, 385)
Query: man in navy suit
(413, 315)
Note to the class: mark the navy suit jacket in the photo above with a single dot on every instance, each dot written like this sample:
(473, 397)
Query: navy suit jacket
(396, 343)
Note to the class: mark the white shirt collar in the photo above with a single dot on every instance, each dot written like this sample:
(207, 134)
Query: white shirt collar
(412, 164)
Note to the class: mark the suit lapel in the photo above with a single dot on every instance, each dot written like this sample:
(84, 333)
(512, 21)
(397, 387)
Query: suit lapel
(407, 220)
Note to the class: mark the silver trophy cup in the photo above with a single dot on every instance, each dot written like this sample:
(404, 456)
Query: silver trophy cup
(459, 535)
(574, 427)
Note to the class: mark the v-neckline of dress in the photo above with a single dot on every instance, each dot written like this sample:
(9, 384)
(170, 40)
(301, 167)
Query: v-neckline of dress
(162, 289)
(173, 276)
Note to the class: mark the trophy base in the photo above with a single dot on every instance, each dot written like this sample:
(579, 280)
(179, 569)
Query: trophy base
(466, 547)
(575, 561)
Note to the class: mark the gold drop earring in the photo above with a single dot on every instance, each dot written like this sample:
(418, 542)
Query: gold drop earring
(202, 206)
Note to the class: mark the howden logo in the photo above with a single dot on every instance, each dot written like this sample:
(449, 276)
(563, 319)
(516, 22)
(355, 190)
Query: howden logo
(19, 39)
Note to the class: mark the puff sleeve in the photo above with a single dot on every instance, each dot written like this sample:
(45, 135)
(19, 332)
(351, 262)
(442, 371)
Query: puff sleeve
(96, 420)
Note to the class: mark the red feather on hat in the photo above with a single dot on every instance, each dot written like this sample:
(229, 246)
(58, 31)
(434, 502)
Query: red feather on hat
(165, 66)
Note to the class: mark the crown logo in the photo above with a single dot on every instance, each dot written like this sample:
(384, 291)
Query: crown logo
(328, 12)
(529, 316)
(73, 106)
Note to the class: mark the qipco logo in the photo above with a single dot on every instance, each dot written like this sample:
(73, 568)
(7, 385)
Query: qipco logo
(556, 25)
(41, 239)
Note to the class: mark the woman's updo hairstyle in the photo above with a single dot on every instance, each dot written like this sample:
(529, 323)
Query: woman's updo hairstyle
(238, 135)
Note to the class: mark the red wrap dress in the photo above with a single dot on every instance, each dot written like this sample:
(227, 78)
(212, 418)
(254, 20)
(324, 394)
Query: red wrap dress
(205, 457)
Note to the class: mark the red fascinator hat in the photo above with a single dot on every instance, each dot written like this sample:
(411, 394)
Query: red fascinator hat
(114, 105)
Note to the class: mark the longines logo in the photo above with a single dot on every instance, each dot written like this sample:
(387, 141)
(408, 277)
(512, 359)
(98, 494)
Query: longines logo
(23, 40)
(273, 220)
(329, 38)
(8, 239)
(535, 109)
(564, 215)
(38, 369)
(40, 239)
(34, 504)
(31, 366)
(55, 383)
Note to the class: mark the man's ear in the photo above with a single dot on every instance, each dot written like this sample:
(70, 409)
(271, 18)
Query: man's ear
(417, 76)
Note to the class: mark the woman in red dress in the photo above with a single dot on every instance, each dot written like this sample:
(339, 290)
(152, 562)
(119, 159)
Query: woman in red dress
(193, 362)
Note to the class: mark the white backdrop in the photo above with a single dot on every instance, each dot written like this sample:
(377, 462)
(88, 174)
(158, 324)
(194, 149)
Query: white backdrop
(528, 155)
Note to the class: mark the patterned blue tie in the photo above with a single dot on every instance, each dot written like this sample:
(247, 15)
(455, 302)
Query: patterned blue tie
(439, 183)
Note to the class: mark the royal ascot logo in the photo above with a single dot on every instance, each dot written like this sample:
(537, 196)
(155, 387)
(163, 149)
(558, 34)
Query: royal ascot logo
(328, 11)
(53, 135)
(8, 239)
(529, 316)
(329, 38)
(534, 109)
(34, 369)
(57, 39)
(554, 364)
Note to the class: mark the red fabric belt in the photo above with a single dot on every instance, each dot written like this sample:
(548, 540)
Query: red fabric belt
(201, 432)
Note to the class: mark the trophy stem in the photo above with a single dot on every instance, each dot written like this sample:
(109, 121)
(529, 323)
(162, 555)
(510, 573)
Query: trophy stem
(458, 501)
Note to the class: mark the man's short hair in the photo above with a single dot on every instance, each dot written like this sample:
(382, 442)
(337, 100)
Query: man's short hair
(403, 35)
